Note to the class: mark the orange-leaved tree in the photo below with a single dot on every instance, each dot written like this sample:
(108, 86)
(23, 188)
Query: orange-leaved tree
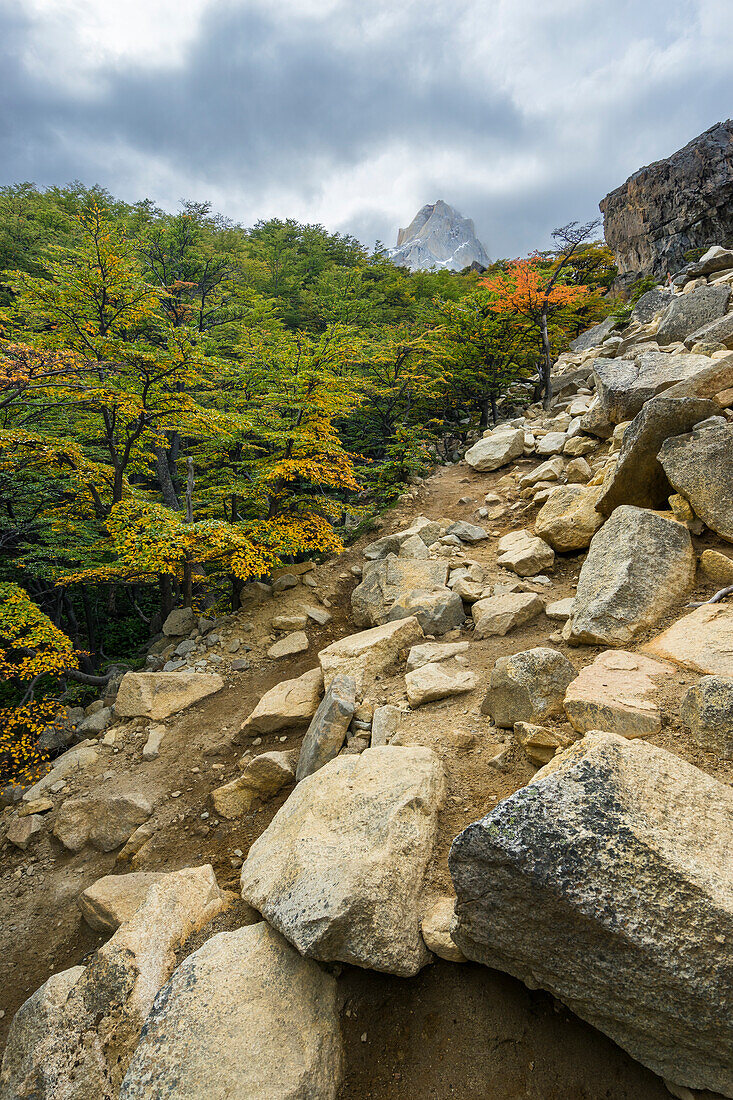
(535, 288)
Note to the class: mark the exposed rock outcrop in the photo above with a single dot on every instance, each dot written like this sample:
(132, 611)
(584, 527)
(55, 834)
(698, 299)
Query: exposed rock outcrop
(673, 205)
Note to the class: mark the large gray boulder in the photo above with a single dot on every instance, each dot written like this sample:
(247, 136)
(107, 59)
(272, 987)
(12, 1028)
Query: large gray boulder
(327, 731)
(687, 313)
(386, 579)
(650, 304)
(639, 565)
(624, 385)
(700, 466)
(594, 337)
(716, 332)
(244, 1016)
(608, 881)
(638, 478)
(339, 871)
(528, 687)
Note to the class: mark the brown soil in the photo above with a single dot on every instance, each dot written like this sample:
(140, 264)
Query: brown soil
(454, 1031)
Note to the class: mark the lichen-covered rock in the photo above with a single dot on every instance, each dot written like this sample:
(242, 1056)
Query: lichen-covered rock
(340, 868)
(708, 710)
(244, 1016)
(639, 566)
(608, 881)
(528, 687)
(700, 466)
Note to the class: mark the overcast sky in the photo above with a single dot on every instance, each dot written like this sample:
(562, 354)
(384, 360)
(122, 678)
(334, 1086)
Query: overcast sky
(354, 113)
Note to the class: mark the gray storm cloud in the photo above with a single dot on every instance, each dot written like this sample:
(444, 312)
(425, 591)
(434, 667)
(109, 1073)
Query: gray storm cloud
(520, 115)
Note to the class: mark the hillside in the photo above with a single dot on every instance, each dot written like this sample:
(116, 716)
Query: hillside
(454, 798)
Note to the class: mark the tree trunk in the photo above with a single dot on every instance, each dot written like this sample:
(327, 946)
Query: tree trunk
(166, 596)
(546, 365)
(170, 498)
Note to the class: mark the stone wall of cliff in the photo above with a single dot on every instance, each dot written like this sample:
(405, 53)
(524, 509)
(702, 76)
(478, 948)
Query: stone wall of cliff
(673, 205)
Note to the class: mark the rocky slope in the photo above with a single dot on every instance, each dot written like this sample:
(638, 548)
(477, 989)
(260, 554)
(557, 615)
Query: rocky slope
(673, 205)
(438, 237)
(500, 731)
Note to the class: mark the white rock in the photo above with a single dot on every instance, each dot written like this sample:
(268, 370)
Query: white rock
(244, 1016)
(340, 869)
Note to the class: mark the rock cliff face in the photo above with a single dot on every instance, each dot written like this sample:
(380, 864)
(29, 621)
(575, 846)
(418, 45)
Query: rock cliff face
(673, 205)
(438, 237)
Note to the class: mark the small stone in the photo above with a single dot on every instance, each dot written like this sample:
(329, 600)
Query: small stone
(436, 926)
(293, 621)
(540, 743)
(560, 610)
(23, 829)
(289, 646)
(151, 748)
(717, 566)
(318, 614)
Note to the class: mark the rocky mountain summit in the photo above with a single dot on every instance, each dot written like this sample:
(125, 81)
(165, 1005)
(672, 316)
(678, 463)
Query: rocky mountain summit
(673, 205)
(438, 237)
(501, 731)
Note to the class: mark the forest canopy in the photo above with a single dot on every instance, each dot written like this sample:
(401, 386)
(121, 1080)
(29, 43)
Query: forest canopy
(186, 404)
